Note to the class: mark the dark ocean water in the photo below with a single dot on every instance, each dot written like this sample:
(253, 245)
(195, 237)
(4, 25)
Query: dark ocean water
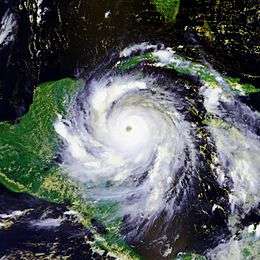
(55, 39)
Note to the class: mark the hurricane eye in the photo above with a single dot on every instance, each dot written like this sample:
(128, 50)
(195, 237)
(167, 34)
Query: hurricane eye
(128, 128)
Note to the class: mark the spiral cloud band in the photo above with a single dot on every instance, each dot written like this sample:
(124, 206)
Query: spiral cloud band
(161, 145)
(128, 132)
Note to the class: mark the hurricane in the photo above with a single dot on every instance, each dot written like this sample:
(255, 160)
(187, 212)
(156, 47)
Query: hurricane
(170, 143)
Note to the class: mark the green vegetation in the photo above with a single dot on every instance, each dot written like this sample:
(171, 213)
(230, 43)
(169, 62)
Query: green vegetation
(134, 61)
(242, 88)
(187, 67)
(27, 149)
(168, 8)
(27, 160)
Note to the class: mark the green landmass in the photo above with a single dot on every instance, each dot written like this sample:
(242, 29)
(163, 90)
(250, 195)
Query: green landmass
(168, 8)
(187, 67)
(27, 160)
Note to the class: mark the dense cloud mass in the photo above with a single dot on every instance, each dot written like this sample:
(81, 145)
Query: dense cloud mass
(134, 139)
